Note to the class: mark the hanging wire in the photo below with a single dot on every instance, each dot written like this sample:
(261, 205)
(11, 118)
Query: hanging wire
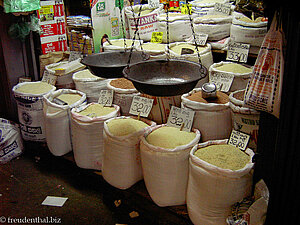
(168, 38)
(122, 21)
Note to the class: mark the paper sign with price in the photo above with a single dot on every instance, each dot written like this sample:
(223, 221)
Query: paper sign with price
(223, 81)
(74, 55)
(201, 39)
(237, 52)
(156, 37)
(106, 97)
(141, 106)
(186, 9)
(49, 78)
(153, 3)
(239, 139)
(223, 8)
(181, 118)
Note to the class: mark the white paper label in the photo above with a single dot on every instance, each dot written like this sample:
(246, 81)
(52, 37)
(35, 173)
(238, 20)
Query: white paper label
(239, 139)
(223, 8)
(54, 201)
(237, 52)
(106, 97)
(141, 106)
(223, 81)
(74, 55)
(49, 78)
(201, 39)
(180, 117)
(153, 3)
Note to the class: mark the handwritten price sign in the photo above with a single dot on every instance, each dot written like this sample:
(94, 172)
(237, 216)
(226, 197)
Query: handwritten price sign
(181, 117)
(223, 8)
(223, 81)
(106, 97)
(237, 52)
(239, 139)
(49, 78)
(141, 106)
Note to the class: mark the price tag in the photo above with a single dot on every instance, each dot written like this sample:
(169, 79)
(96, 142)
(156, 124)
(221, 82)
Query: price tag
(223, 8)
(153, 3)
(186, 9)
(223, 81)
(237, 52)
(49, 78)
(201, 39)
(239, 139)
(157, 37)
(106, 97)
(141, 106)
(74, 55)
(181, 117)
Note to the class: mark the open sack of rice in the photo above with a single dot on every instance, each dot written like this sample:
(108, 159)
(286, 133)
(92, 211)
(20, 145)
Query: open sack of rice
(29, 98)
(219, 176)
(241, 73)
(57, 117)
(87, 133)
(124, 91)
(212, 116)
(89, 84)
(121, 154)
(164, 154)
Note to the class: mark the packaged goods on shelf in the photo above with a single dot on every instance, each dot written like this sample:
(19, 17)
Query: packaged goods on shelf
(79, 21)
(121, 157)
(210, 192)
(87, 133)
(10, 141)
(161, 107)
(57, 117)
(166, 169)
(90, 84)
(80, 42)
(119, 45)
(146, 23)
(124, 91)
(244, 119)
(216, 27)
(64, 72)
(248, 31)
(212, 119)
(179, 26)
(155, 50)
(241, 73)
(29, 97)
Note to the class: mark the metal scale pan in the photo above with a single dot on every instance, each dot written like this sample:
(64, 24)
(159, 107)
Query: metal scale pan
(111, 64)
(165, 77)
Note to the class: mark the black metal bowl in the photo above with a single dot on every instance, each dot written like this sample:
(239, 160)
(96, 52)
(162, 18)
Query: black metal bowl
(165, 77)
(111, 64)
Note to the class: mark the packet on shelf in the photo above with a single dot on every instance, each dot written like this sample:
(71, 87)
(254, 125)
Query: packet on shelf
(224, 156)
(123, 127)
(170, 137)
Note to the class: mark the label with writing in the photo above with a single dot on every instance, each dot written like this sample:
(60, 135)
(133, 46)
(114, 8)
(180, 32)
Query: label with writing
(156, 37)
(223, 81)
(153, 3)
(141, 106)
(237, 52)
(201, 39)
(181, 118)
(223, 8)
(239, 139)
(74, 55)
(106, 97)
(49, 78)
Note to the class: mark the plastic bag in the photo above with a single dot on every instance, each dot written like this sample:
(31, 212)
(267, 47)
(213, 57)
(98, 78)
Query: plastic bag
(11, 144)
(263, 91)
(11, 6)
